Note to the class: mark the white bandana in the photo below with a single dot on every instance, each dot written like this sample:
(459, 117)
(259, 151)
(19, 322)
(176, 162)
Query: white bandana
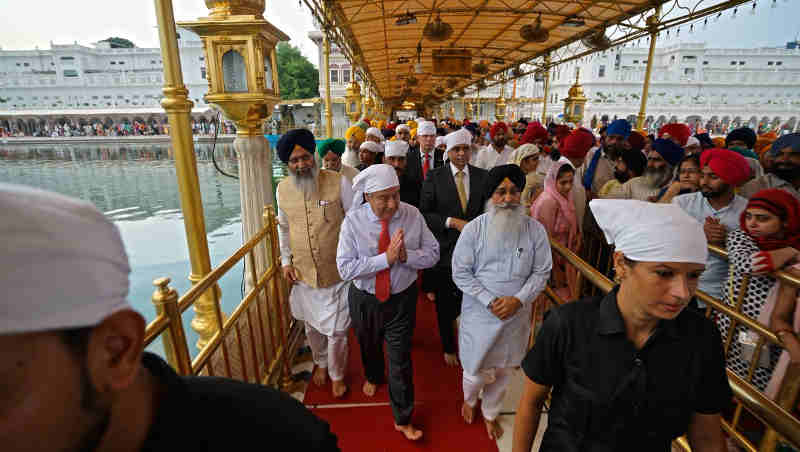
(396, 148)
(459, 137)
(651, 232)
(375, 132)
(426, 128)
(373, 178)
(372, 147)
(62, 265)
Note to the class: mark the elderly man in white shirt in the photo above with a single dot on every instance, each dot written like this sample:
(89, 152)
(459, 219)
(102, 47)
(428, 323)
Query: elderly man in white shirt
(382, 245)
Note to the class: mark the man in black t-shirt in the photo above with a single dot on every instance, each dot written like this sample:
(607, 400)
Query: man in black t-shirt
(73, 375)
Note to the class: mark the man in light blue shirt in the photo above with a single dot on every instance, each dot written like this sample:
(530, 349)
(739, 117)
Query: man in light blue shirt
(382, 245)
(717, 207)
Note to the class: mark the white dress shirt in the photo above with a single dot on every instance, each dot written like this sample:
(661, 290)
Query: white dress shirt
(455, 170)
(488, 157)
(346, 195)
(357, 255)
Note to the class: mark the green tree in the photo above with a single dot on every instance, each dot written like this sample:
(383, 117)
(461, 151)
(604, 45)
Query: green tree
(299, 79)
(119, 43)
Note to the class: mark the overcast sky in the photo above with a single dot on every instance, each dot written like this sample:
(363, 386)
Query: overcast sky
(26, 24)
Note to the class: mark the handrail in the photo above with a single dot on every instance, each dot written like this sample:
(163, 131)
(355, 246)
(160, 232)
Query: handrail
(772, 414)
(780, 274)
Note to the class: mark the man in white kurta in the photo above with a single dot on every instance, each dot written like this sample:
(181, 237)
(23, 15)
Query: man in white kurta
(311, 206)
(501, 262)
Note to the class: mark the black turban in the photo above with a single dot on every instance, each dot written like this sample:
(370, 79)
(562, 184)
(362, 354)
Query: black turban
(499, 173)
(745, 134)
(387, 133)
(296, 137)
(705, 140)
(634, 160)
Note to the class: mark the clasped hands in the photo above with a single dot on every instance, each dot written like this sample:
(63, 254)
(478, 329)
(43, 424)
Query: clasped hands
(505, 307)
(397, 248)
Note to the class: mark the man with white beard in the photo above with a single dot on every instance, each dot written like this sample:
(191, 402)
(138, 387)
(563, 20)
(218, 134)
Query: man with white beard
(659, 173)
(501, 263)
(311, 207)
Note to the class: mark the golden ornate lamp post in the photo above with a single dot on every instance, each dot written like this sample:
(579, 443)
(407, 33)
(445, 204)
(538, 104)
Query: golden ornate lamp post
(369, 106)
(239, 46)
(575, 101)
(452, 110)
(500, 106)
(352, 97)
(469, 109)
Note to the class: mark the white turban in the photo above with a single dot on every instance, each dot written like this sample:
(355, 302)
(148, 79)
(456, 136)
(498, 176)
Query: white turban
(426, 128)
(692, 141)
(651, 232)
(402, 127)
(375, 132)
(62, 264)
(459, 137)
(372, 146)
(373, 178)
(440, 141)
(396, 148)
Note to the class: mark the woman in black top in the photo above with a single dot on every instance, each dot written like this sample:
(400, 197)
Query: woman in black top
(631, 370)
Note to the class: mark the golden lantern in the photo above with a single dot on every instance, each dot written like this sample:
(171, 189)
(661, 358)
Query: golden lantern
(352, 97)
(452, 111)
(239, 47)
(369, 106)
(575, 102)
(469, 109)
(500, 106)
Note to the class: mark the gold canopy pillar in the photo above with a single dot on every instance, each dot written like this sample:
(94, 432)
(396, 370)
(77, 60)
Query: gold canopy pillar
(546, 88)
(652, 24)
(326, 56)
(178, 108)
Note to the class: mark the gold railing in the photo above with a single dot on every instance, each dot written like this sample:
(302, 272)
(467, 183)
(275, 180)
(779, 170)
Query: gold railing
(256, 342)
(775, 416)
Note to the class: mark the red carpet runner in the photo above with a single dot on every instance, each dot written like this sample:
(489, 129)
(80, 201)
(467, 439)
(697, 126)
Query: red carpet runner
(437, 409)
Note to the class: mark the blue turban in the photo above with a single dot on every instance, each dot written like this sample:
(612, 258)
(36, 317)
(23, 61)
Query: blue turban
(619, 127)
(296, 137)
(668, 150)
(791, 140)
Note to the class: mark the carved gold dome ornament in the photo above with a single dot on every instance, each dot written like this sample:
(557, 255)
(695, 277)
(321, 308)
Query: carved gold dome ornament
(218, 8)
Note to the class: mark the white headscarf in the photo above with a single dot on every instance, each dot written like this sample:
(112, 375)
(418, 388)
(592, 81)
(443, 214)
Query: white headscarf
(396, 148)
(426, 128)
(62, 264)
(375, 132)
(651, 232)
(373, 178)
(372, 147)
(402, 127)
(459, 137)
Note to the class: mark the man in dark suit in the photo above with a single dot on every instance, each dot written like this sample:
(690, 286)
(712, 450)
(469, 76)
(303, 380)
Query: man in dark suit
(452, 195)
(396, 153)
(417, 169)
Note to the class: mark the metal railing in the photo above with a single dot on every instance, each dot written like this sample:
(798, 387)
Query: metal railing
(775, 416)
(257, 340)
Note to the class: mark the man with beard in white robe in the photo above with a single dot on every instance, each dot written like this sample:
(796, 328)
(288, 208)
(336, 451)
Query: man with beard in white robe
(311, 206)
(501, 262)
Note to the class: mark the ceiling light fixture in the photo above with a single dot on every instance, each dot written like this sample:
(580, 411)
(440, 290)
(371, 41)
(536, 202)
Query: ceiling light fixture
(406, 19)
(574, 21)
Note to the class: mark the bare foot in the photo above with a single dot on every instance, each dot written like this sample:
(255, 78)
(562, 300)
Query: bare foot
(431, 296)
(320, 376)
(493, 429)
(339, 388)
(369, 389)
(468, 412)
(409, 431)
(451, 359)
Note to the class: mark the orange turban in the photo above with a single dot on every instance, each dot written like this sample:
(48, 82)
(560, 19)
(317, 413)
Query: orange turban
(730, 166)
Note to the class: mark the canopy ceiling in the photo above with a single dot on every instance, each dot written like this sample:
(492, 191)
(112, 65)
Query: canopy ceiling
(489, 29)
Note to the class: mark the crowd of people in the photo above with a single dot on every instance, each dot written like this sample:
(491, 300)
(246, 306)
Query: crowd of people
(462, 215)
(101, 129)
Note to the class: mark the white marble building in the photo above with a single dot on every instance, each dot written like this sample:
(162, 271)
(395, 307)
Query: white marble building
(76, 81)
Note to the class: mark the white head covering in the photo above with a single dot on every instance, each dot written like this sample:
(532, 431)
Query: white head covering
(426, 128)
(372, 147)
(396, 148)
(373, 178)
(651, 232)
(62, 264)
(375, 132)
(460, 136)
(692, 141)
(523, 152)
(440, 141)
(402, 127)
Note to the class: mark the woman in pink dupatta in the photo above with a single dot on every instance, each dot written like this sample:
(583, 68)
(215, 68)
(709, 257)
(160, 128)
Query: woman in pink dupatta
(555, 209)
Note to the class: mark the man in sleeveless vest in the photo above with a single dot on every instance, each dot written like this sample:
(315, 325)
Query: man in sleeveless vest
(311, 206)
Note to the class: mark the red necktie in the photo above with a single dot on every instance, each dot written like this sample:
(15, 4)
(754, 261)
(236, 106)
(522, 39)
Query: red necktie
(426, 165)
(383, 284)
